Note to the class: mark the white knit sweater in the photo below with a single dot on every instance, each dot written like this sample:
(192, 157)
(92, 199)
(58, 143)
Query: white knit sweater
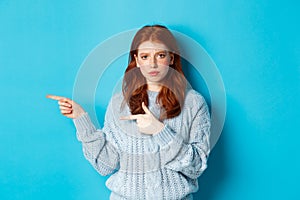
(151, 167)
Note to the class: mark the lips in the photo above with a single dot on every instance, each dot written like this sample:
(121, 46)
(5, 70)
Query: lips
(154, 73)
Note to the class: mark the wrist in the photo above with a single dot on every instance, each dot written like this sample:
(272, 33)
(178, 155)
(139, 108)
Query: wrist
(78, 115)
(160, 126)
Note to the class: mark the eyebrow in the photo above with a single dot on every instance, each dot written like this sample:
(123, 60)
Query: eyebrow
(159, 51)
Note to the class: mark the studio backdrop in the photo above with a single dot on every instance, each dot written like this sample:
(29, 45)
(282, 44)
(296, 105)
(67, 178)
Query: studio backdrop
(243, 56)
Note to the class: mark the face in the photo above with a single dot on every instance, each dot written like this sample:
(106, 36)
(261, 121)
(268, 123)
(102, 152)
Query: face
(153, 59)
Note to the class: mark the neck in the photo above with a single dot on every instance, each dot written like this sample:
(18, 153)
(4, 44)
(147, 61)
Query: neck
(154, 87)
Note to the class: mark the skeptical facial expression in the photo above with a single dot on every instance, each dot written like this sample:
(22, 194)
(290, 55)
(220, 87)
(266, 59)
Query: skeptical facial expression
(153, 59)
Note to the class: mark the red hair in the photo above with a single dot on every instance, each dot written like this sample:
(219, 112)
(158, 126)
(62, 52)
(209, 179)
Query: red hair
(134, 87)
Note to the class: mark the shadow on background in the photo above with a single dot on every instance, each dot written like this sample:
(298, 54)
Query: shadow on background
(216, 172)
(220, 167)
(217, 169)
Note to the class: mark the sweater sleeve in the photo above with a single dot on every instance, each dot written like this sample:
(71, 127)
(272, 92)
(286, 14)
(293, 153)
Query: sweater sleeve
(190, 157)
(98, 149)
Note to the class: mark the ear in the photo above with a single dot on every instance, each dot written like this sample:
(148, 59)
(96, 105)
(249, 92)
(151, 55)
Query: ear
(136, 61)
(171, 58)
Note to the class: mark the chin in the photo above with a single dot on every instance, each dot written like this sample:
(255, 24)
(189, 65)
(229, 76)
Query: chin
(152, 80)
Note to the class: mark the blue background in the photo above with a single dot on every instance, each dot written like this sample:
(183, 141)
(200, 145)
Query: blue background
(255, 45)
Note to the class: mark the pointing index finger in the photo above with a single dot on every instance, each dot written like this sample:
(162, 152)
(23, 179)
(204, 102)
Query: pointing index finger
(58, 98)
(49, 96)
(130, 117)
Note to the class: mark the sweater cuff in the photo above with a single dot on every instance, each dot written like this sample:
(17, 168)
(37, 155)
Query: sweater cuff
(165, 136)
(83, 123)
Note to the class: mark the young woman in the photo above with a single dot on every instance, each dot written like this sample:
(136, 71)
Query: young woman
(155, 138)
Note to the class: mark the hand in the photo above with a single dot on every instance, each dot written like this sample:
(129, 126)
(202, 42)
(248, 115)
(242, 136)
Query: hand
(68, 107)
(146, 123)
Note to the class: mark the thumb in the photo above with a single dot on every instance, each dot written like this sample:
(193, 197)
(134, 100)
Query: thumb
(147, 111)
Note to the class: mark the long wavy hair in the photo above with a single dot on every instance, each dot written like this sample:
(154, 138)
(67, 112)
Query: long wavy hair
(134, 87)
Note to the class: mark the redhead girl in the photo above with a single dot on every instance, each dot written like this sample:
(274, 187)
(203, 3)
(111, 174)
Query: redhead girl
(155, 138)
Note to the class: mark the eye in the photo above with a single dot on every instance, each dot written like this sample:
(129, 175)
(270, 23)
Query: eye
(144, 57)
(161, 55)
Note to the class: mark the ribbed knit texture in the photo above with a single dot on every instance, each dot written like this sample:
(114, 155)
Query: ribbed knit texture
(152, 167)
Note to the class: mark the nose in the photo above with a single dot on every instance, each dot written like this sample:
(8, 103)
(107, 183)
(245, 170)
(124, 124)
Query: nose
(153, 62)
